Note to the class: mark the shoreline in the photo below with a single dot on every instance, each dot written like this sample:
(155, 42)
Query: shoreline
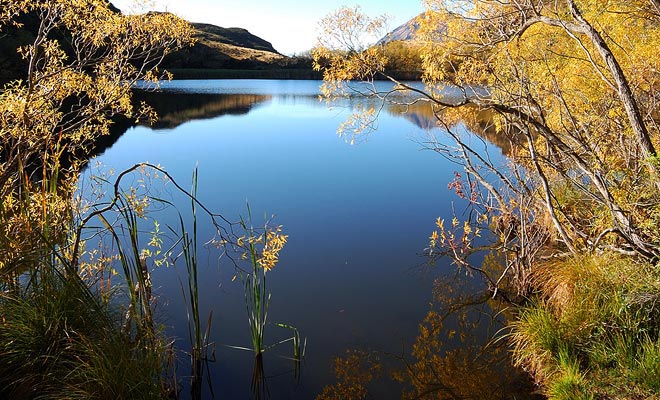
(275, 73)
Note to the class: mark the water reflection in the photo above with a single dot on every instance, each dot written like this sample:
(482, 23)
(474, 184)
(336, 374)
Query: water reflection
(476, 120)
(176, 108)
(358, 218)
(459, 353)
(456, 355)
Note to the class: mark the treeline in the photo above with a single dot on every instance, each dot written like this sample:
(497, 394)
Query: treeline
(404, 60)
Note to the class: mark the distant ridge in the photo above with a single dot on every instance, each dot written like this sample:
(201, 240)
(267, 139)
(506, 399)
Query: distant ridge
(216, 49)
(233, 36)
(405, 32)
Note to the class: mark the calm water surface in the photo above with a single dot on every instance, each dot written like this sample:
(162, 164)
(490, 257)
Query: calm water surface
(358, 218)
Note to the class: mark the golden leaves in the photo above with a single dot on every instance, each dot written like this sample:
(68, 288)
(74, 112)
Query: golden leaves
(273, 244)
(345, 52)
(72, 89)
(106, 53)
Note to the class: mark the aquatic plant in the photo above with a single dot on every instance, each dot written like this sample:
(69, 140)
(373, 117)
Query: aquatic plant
(261, 248)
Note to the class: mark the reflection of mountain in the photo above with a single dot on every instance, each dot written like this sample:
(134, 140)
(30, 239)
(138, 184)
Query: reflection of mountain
(174, 108)
(420, 114)
(476, 120)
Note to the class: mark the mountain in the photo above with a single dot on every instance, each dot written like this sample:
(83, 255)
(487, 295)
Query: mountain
(216, 48)
(233, 36)
(230, 48)
(406, 32)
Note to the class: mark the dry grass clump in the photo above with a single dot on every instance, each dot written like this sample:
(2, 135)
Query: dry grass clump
(593, 327)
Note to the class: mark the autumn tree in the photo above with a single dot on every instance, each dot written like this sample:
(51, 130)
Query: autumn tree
(84, 58)
(572, 85)
(576, 80)
(403, 59)
(59, 331)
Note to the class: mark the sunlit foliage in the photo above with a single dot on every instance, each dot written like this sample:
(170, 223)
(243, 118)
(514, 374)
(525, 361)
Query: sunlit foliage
(572, 86)
(84, 58)
(62, 336)
(576, 81)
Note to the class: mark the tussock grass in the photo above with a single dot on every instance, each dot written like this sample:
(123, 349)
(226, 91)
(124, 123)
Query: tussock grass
(59, 341)
(570, 384)
(593, 330)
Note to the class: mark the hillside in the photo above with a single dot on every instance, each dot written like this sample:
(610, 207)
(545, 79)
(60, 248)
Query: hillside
(226, 48)
(405, 32)
(216, 48)
(233, 36)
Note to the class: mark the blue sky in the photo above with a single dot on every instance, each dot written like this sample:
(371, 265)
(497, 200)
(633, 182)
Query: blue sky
(290, 25)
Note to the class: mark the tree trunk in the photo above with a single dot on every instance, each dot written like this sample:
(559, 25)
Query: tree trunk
(624, 91)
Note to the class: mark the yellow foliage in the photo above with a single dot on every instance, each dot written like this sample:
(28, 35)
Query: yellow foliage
(571, 88)
(70, 92)
(273, 244)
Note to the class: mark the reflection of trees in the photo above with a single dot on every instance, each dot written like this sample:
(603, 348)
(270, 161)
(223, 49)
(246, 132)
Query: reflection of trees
(354, 372)
(479, 121)
(455, 355)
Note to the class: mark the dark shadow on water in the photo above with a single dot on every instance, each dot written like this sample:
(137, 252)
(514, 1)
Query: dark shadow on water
(175, 108)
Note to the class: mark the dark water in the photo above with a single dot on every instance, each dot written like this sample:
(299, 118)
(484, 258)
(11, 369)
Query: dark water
(358, 218)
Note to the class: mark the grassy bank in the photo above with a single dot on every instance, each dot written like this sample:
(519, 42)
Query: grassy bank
(592, 331)
(60, 340)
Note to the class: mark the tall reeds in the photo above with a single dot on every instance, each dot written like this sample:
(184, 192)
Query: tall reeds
(261, 248)
(199, 352)
(64, 329)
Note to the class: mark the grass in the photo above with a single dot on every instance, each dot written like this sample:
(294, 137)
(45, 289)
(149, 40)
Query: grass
(570, 383)
(65, 336)
(593, 330)
(260, 247)
(198, 338)
(60, 341)
(136, 274)
(61, 337)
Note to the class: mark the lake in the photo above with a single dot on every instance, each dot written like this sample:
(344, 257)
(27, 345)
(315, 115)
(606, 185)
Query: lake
(352, 276)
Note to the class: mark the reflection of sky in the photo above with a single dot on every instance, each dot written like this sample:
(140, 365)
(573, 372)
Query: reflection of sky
(357, 218)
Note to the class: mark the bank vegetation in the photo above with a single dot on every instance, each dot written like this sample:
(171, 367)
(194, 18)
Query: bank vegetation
(66, 331)
(573, 216)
